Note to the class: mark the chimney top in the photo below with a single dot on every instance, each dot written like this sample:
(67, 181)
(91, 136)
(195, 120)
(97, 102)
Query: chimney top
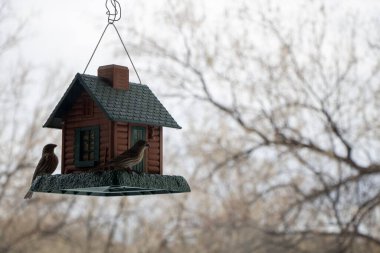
(116, 75)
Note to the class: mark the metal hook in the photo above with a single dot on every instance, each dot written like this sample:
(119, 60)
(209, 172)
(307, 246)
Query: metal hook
(116, 14)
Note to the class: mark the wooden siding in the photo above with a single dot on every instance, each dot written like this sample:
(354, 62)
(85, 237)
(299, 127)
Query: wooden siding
(121, 138)
(155, 151)
(76, 118)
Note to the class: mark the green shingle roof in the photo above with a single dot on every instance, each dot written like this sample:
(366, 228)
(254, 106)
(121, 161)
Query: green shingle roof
(138, 104)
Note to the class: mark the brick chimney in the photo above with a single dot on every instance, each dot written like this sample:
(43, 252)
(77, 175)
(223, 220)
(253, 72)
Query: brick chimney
(116, 75)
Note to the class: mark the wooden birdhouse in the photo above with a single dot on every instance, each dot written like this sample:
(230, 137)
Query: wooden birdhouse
(101, 117)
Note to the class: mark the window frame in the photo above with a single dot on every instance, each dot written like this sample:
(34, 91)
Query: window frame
(91, 163)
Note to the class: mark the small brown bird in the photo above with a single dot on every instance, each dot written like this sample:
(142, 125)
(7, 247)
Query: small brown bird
(47, 165)
(131, 157)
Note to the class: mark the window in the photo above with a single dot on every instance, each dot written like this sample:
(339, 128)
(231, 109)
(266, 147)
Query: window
(138, 133)
(86, 146)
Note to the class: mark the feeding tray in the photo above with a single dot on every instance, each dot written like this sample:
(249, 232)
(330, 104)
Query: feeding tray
(110, 183)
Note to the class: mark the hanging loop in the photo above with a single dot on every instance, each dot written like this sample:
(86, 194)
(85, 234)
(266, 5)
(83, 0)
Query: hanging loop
(113, 11)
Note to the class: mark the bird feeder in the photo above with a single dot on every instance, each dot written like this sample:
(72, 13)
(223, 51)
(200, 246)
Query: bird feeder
(100, 117)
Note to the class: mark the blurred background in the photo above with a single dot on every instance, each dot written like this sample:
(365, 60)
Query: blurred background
(279, 103)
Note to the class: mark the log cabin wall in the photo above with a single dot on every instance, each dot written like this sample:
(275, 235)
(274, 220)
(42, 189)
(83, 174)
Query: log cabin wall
(83, 113)
(121, 138)
(155, 150)
(114, 136)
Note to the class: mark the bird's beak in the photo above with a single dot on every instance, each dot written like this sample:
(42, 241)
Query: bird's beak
(147, 145)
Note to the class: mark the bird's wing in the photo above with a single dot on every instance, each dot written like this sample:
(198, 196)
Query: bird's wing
(129, 154)
(41, 166)
(54, 163)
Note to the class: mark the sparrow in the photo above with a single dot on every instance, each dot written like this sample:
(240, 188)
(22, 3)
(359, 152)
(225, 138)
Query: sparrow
(130, 157)
(46, 166)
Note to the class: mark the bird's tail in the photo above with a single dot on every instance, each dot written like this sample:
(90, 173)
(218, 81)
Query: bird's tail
(28, 195)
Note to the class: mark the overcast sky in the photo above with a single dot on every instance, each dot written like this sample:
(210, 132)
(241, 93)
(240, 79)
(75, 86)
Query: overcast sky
(64, 33)
(67, 31)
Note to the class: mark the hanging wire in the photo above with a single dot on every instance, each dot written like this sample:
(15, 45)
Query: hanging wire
(112, 17)
(125, 48)
(93, 53)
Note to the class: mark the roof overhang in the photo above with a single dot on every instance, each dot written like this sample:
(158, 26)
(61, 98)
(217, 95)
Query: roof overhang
(71, 94)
